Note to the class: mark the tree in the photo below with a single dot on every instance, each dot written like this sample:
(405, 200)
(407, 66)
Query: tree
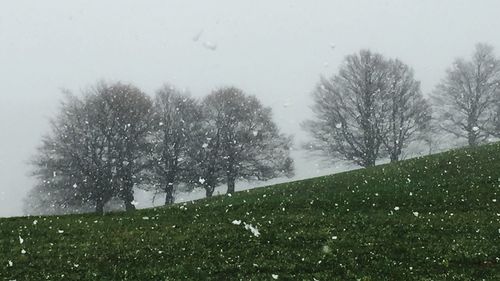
(124, 115)
(409, 113)
(372, 108)
(467, 97)
(69, 163)
(177, 121)
(349, 112)
(244, 138)
(94, 150)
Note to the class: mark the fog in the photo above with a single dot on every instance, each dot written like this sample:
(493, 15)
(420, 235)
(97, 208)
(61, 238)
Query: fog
(276, 50)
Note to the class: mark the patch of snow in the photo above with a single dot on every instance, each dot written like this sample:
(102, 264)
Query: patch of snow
(252, 229)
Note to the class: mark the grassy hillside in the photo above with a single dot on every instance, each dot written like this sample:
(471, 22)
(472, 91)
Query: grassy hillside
(432, 218)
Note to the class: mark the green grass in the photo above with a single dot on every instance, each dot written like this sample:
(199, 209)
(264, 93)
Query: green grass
(358, 225)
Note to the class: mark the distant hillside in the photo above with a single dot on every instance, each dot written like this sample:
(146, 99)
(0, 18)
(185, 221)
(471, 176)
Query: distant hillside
(430, 218)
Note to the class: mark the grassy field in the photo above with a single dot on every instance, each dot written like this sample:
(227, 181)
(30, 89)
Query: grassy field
(431, 218)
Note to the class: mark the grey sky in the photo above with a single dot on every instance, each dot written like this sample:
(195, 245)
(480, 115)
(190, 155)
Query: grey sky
(274, 49)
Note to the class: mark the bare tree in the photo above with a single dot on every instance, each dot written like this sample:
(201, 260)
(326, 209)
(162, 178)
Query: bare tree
(348, 108)
(249, 143)
(409, 114)
(94, 150)
(466, 98)
(177, 121)
(124, 115)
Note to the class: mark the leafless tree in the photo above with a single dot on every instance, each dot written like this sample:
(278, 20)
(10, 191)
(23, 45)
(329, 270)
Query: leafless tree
(467, 97)
(248, 142)
(177, 122)
(349, 110)
(409, 114)
(94, 150)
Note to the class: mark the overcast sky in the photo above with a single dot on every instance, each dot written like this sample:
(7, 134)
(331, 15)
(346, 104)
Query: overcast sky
(276, 50)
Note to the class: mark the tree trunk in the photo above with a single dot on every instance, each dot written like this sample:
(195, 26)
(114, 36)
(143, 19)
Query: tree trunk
(472, 138)
(128, 198)
(99, 206)
(169, 194)
(209, 191)
(394, 157)
(230, 185)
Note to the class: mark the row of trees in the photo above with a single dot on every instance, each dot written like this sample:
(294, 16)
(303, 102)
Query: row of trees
(115, 138)
(374, 107)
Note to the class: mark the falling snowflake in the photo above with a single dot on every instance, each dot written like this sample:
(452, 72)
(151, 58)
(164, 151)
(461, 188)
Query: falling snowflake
(415, 214)
(145, 218)
(197, 36)
(236, 222)
(21, 240)
(338, 125)
(205, 145)
(11, 264)
(396, 208)
(475, 128)
(275, 276)
(210, 46)
(252, 229)
(325, 249)
(60, 231)
(23, 251)
(202, 180)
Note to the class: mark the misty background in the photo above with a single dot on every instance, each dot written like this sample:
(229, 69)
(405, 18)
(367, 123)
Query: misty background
(276, 50)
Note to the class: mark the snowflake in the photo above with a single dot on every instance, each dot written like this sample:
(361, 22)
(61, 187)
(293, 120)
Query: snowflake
(252, 229)
(236, 222)
(275, 276)
(396, 208)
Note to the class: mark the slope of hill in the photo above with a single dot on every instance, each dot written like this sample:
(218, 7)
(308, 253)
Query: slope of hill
(431, 218)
